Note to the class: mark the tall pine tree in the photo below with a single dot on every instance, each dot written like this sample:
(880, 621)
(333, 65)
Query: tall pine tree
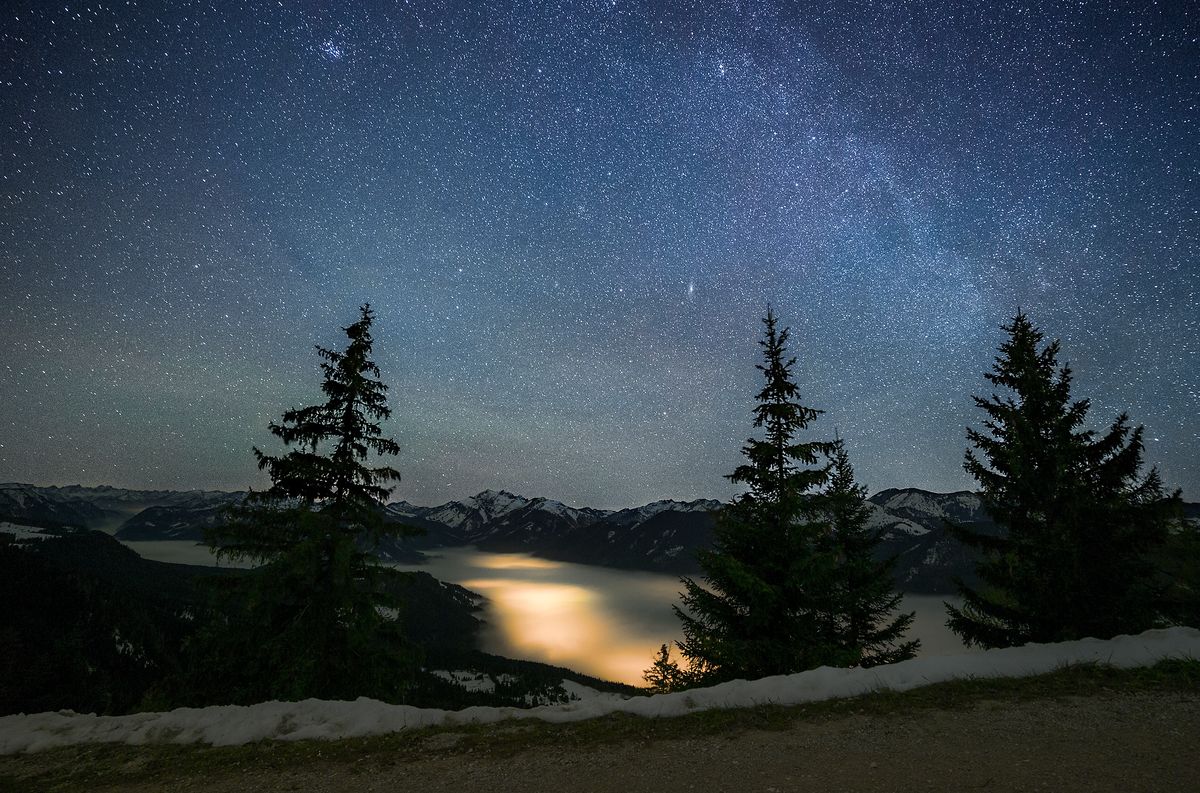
(314, 619)
(867, 625)
(1079, 519)
(767, 589)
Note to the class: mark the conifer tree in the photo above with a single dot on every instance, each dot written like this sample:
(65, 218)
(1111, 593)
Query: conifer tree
(314, 618)
(664, 674)
(767, 582)
(867, 625)
(1079, 520)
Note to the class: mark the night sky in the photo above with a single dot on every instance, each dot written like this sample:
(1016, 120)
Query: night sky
(570, 217)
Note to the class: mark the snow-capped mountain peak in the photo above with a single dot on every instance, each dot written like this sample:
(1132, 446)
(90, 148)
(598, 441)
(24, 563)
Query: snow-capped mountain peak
(910, 502)
(477, 510)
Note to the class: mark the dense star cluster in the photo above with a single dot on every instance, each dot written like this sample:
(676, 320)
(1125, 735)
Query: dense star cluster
(569, 217)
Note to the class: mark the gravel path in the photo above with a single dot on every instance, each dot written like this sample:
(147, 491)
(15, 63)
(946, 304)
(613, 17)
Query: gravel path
(1120, 742)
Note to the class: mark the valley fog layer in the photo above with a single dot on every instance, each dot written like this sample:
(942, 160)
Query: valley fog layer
(597, 620)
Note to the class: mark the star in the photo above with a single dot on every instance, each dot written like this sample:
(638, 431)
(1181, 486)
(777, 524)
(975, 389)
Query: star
(330, 50)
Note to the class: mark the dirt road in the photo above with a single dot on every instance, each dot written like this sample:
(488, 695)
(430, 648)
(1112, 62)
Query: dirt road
(1120, 742)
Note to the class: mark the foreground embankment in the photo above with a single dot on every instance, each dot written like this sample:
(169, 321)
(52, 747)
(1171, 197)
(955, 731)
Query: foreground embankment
(324, 720)
(1091, 727)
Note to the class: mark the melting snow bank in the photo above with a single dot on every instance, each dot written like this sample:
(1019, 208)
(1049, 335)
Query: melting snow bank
(319, 719)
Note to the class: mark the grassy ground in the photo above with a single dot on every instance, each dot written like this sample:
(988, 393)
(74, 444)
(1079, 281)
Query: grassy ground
(114, 765)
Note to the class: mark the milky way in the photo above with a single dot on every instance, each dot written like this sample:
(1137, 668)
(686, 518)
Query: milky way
(570, 216)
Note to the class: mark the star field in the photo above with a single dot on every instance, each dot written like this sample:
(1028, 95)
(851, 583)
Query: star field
(570, 216)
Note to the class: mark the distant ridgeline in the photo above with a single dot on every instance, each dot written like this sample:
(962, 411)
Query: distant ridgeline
(661, 537)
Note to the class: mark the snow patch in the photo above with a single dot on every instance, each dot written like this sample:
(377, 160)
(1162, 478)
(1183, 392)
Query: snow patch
(578, 692)
(880, 518)
(557, 508)
(932, 504)
(910, 528)
(24, 533)
(969, 501)
(468, 679)
(918, 502)
(318, 719)
(477, 510)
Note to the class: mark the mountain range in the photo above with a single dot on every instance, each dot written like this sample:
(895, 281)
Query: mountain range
(662, 536)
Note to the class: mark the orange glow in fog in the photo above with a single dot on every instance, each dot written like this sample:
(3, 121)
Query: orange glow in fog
(571, 615)
(514, 561)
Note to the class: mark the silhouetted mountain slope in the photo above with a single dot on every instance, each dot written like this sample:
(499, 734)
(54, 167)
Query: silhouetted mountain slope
(434, 612)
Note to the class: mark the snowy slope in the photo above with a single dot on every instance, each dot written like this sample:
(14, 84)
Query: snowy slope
(658, 536)
(20, 502)
(477, 511)
(915, 530)
(318, 719)
(24, 534)
(170, 515)
(181, 519)
(961, 506)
